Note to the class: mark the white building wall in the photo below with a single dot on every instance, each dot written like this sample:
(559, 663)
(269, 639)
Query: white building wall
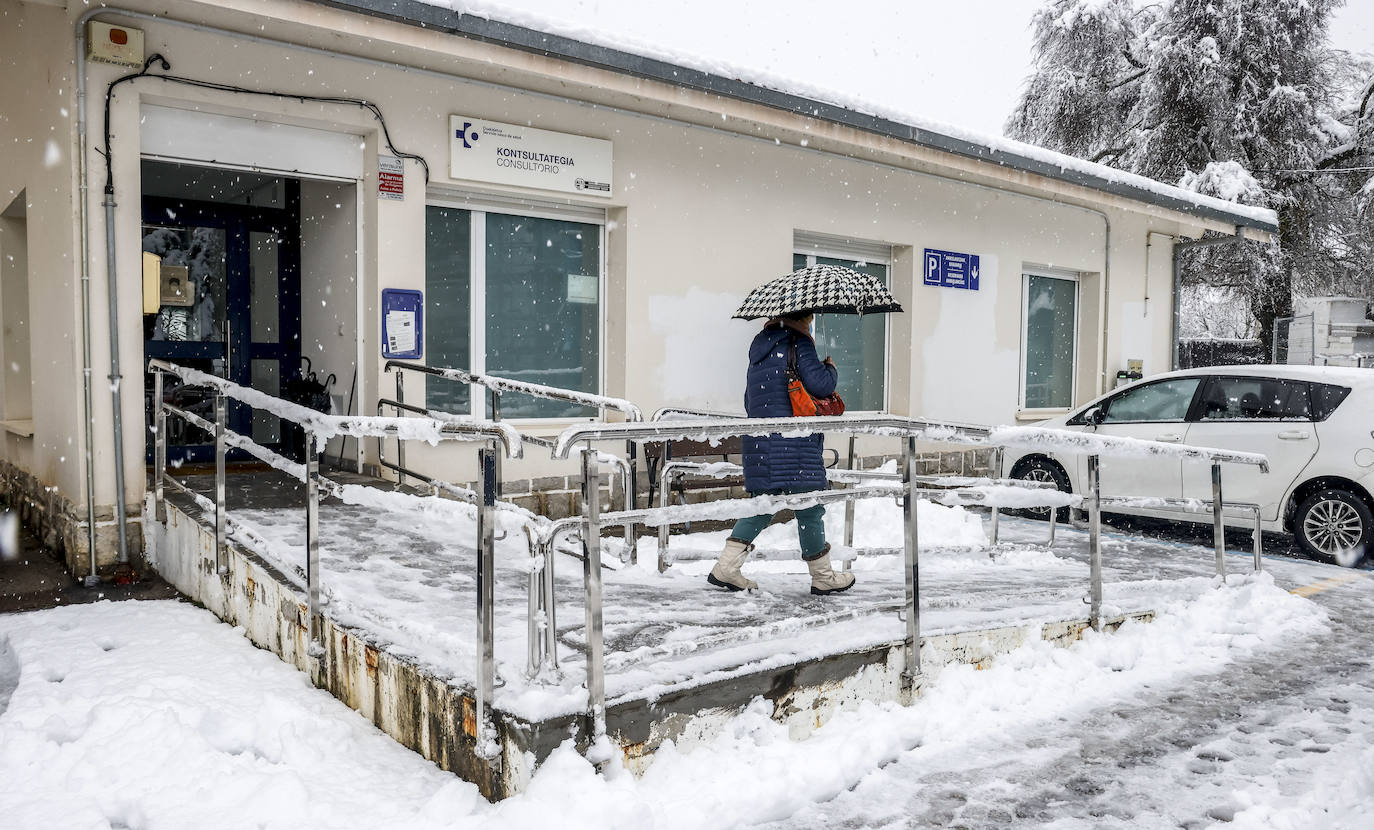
(699, 214)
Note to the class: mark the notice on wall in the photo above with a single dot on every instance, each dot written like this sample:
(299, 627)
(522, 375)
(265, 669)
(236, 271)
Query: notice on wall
(403, 324)
(391, 178)
(582, 288)
(950, 269)
(400, 331)
(488, 151)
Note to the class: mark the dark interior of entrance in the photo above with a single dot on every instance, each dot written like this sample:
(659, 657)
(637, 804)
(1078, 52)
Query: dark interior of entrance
(226, 274)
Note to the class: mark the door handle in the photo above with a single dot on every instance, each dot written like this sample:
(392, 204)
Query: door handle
(1294, 434)
(1169, 437)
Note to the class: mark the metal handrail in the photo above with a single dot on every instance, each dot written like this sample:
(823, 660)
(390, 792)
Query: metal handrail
(667, 413)
(497, 386)
(885, 425)
(328, 426)
(317, 426)
(536, 390)
(909, 430)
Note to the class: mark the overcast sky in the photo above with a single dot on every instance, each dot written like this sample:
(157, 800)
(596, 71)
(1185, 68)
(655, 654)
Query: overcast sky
(960, 63)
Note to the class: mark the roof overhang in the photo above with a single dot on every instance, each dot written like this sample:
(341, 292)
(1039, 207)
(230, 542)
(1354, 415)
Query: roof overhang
(440, 19)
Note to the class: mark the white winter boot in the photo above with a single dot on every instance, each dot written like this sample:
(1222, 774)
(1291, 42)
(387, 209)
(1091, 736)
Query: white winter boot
(726, 574)
(824, 580)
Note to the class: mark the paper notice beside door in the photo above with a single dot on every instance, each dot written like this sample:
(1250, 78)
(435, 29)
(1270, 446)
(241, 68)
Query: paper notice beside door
(400, 331)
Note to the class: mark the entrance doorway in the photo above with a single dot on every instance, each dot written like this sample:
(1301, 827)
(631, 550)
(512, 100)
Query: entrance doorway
(227, 245)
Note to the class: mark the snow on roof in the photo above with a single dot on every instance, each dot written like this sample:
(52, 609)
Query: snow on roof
(529, 31)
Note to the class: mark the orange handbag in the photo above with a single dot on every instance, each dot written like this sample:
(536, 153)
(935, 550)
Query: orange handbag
(804, 404)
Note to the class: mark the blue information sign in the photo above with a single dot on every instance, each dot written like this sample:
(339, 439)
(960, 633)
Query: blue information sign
(403, 324)
(951, 269)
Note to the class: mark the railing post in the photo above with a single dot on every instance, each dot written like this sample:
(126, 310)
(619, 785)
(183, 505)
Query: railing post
(221, 566)
(1258, 541)
(488, 483)
(312, 544)
(534, 645)
(849, 505)
(995, 470)
(1054, 521)
(400, 443)
(550, 608)
(159, 447)
(911, 672)
(1095, 542)
(632, 450)
(665, 481)
(1218, 521)
(591, 575)
(628, 503)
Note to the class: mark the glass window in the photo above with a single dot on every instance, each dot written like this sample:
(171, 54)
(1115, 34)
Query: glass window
(858, 344)
(539, 281)
(543, 309)
(1256, 399)
(1325, 398)
(448, 304)
(1051, 315)
(1167, 400)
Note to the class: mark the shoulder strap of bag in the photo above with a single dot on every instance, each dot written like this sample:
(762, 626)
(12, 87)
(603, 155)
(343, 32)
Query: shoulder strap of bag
(792, 372)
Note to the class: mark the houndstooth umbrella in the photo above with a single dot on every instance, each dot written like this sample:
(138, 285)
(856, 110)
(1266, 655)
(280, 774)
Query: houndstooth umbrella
(821, 289)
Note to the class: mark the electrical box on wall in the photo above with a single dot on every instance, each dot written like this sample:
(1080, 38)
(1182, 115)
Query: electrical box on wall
(108, 43)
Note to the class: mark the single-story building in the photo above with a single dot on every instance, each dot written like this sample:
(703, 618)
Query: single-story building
(247, 185)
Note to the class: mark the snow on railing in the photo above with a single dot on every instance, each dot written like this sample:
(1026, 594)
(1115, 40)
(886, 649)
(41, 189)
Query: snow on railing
(536, 390)
(1091, 443)
(324, 426)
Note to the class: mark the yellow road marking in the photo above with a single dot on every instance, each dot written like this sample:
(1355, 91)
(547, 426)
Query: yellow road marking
(1324, 585)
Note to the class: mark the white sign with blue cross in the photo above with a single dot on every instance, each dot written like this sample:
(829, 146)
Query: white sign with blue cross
(951, 269)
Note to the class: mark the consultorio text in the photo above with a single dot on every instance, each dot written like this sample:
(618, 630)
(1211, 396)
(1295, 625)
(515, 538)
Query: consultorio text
(526, 160)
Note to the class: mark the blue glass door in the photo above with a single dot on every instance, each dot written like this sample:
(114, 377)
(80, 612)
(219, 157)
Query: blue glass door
(240, 318)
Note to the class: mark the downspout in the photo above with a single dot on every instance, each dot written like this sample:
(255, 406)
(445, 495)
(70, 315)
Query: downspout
(86, 359)
(1178, 279)
(1106, 292)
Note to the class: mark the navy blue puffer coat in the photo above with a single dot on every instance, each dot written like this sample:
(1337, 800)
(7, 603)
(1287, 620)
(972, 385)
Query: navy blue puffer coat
(775, 463)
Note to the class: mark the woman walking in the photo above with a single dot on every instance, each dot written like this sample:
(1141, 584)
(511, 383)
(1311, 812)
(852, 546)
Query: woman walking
(774, 465)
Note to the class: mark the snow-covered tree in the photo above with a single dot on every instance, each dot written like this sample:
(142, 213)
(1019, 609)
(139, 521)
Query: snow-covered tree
(1240, 99)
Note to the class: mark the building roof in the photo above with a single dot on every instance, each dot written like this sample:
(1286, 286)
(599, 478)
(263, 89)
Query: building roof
(1001, 151)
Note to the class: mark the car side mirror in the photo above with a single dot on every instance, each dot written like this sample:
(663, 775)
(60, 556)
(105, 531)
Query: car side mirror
(1096, 415)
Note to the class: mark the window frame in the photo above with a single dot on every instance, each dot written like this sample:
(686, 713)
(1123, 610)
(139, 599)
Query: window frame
(1068, 276)
(812, 246)
(478, 207)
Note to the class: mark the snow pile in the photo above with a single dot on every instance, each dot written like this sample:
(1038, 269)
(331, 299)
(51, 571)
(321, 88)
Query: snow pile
(1227, 180)
(154, 714)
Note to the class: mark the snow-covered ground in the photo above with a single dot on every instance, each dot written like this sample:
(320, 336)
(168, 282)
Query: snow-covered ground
(1245, 703)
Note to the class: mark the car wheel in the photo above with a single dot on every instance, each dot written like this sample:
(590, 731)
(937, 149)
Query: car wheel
(1334, 525)
(1045, 471)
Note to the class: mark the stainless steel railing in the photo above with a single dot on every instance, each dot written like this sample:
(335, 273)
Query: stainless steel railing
(909, 431)
(497, 386)
(495, 439)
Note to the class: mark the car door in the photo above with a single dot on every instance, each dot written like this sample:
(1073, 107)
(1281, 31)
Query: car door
(1270, 416)
(1155, 411)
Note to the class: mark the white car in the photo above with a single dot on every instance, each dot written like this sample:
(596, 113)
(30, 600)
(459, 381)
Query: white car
(1315, 424)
